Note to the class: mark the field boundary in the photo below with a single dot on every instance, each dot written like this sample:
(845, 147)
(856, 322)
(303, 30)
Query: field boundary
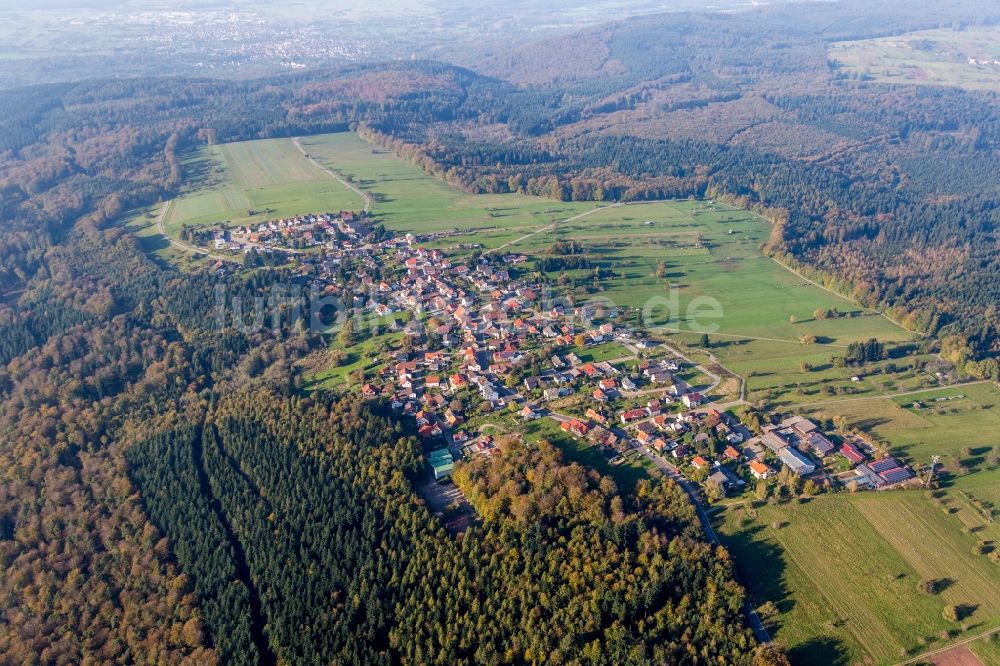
(364, 195)
(895, 395)
(931, 653)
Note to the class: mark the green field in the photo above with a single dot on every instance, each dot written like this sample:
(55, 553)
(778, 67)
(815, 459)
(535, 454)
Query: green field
(952, 420)
(224, 183)
(711, 253)
(272, 178)
(626, 473)
(843, 572)
(927, 57)
(407, 199)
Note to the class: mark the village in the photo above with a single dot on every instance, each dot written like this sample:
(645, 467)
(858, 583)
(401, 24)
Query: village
(481, 338)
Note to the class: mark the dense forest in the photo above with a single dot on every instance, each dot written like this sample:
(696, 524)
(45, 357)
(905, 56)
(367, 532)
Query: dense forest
(306, 506)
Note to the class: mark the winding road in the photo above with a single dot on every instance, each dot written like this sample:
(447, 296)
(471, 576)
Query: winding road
(179, 243)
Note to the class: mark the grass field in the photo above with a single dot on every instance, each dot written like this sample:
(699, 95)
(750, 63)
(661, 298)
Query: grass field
(927, 57)
(952, 420)
(843, 572)
(271, 177)
(711, 254)
(406, 199)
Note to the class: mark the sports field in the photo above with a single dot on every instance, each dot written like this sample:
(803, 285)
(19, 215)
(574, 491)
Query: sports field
(844, 571)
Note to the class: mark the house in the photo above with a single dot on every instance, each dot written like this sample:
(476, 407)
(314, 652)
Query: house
(457, 382)
(692, 400)
(699, 463)
(731, 453)
(595, 416)
(725, 479)
(797, 462)
(574, 427)
(552, 393)
(628, 384)
(528, 414)
(429, 431)
(660, 376)
(759, 470)
(432, 381)
(531, 383)
(489, 393)
(632, 414)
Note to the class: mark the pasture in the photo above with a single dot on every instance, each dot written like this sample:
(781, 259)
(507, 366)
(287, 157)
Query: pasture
(960, 423)
(407, 199)
(843, 572)
(674, 259)
(927, 57)
(253, 181)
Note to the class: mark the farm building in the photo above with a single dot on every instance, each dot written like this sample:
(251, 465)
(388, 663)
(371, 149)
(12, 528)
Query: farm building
(774, 441)
(796, 461)
(820, 444)
(851, 452)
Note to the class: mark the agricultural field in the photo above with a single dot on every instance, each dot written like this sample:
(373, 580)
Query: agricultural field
(928, 57)
(253, 181)
(674, 259)
(843, 573)
(960, 423)
(407, 199)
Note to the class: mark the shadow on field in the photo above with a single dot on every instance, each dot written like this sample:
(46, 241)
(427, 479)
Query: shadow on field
(761, 565)
(821, 651)
(201, 172)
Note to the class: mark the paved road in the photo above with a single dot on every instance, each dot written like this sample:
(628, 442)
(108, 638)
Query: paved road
(364, 195)
(759, 631)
